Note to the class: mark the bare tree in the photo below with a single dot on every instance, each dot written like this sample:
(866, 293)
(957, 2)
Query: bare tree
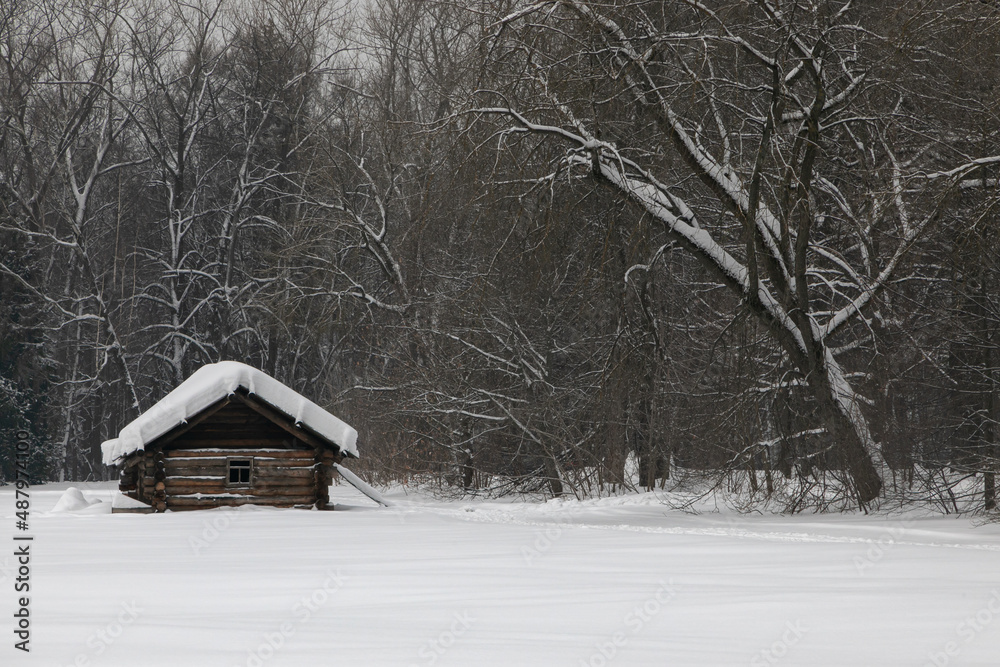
(61, 123)
(761, 106)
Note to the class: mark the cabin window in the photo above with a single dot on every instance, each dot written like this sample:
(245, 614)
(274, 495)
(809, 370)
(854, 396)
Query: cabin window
(239, 472)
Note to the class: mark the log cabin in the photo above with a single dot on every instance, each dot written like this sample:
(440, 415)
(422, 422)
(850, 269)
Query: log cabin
(230, 435)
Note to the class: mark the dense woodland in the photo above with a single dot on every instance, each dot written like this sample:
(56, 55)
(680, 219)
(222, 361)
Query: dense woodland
(523, 247)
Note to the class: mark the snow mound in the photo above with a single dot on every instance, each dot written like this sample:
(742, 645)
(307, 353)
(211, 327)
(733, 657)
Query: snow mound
(73, 500)
(212, 383)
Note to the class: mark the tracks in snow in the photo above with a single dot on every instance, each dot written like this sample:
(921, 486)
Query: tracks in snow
(890, 535)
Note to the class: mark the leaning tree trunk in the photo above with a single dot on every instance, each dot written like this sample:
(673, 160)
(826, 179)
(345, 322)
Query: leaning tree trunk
(854, 452)
(841, 412)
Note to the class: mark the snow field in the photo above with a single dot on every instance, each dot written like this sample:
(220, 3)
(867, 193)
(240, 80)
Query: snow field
(615, 581)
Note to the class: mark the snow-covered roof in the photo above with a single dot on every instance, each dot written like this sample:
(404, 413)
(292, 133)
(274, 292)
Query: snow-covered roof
(212, 383)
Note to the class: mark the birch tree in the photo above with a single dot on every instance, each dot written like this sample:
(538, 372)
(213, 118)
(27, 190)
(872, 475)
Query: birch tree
(60, 124)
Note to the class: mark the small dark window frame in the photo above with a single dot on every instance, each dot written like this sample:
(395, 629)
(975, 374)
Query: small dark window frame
(241, 468)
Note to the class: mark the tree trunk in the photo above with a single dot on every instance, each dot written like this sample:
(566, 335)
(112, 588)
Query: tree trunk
(552, 472)
(849, 432)
(989, 491)
(468, 471)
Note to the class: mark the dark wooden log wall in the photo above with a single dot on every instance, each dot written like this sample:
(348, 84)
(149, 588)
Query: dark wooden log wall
(199, 478)
(190, 469)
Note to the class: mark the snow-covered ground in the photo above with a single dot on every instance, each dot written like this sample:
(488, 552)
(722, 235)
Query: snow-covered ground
(613, 581)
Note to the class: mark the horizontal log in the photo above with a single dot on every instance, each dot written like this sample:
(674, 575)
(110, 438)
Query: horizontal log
(256, 429)
(192, 508)
(234, 431)
(224, 417)
(297, 459)
(209, 482)
(236, 422)
(174, 483)
(221, 469)
(217, 452)
(284, 501)
(181, 488)
(250, 440)
(205, 503)
(184, 490)
(221, 475)
(258, 482)
(131, 510)
(294, 483)
(288, 487)
(237, 408)
(265, 461)
(280, 478)
(307, 492)
(220, 464)
(213, 501)
(263, 474)
(269, 465)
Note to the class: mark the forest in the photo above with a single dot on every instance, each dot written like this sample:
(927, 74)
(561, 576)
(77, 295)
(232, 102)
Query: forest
(549, 247)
